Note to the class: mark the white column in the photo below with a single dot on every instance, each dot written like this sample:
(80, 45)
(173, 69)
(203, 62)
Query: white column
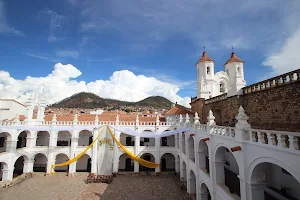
(31, 141)
(177, 164)
(136, 151)
(116, 153)
(220, 176)
(204, 195)
(95, 153)
(11, 146)
(176, 141)
(50, 161)
(202, 162)
(28, 165)
(258, 190)
(157, 154)
(74, 145)
(53, 138)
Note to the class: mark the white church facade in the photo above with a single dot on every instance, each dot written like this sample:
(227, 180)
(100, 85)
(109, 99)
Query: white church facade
(211, 84)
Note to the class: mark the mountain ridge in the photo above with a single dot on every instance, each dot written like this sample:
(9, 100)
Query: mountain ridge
(91, 100)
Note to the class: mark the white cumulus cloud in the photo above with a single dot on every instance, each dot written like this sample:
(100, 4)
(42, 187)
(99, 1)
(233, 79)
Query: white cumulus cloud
(122, 85)
(287, 58)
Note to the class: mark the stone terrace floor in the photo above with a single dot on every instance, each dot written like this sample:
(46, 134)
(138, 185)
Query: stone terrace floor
(125, 187)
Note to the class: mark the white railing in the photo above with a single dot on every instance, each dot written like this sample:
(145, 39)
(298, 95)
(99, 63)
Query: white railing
(280, 139)
(224, 131)
(201, 127)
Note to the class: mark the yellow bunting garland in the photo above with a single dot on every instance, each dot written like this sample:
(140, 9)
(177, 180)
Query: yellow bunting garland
(131, 155)
(76, 157)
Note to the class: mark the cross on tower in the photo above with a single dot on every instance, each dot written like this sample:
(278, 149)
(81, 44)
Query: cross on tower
(204, 48)
(232, 49)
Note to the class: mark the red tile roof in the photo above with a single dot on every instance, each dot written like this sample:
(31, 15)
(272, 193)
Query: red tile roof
(178, 109)
(233, 58)
(204, 58)
(110, 117)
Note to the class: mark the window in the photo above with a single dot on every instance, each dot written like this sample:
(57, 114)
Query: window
(146, 139)
(208, 70)
(222, 89)
(239, 70)
(227, 72)
(2, 141)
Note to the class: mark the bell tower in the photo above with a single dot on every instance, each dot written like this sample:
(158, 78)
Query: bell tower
(205, 76)
(235, 70)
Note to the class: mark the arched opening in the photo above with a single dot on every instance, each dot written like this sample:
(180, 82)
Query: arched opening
(204, 192)
(40, 163)
(126, 163)
(183, 143)
(270, 181)
(183, 178)
(19, 166)
(148, 157)
(177, 141)
(192, 184)
(61, 158)
(85, 138)
(238, 70)
(191, 149)
(178, 161)
(227, 170)
(167, 141)
(208, 70)
(148, 142)
(167, 162)
(43, 138)
(4, 138)
(84, 164)
(203, 156)
(218, 117)
(64, 138)
(222, 87)
(3, 171)
(126, 140)
(22, 139)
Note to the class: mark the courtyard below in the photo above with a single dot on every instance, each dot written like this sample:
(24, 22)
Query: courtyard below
(125, 187)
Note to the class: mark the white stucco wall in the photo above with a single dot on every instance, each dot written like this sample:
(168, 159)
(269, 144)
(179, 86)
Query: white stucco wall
(9, 109)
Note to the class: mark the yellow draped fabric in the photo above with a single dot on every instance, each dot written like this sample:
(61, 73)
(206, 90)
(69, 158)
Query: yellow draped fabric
(132, 156)
(76, 157)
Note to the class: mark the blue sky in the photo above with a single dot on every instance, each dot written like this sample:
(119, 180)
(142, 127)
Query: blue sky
(160, 39)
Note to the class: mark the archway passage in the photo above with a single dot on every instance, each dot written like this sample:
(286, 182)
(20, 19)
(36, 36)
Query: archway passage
(270, 181)
(183, 143)
(183, 178)
(148, 157)
(85, 138)
(203, 157)
(19, 166)
(126, 140)
(40, 163)
(22, 139)
(63, 138)
(191, 148)
(167, 162)
(192, 184)
(3, 171)
(61, 158)
(218, 117)
(227, 170)
(43, 138)
(84, 164)
(126, 163)
(204, 192)
(4, 137)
